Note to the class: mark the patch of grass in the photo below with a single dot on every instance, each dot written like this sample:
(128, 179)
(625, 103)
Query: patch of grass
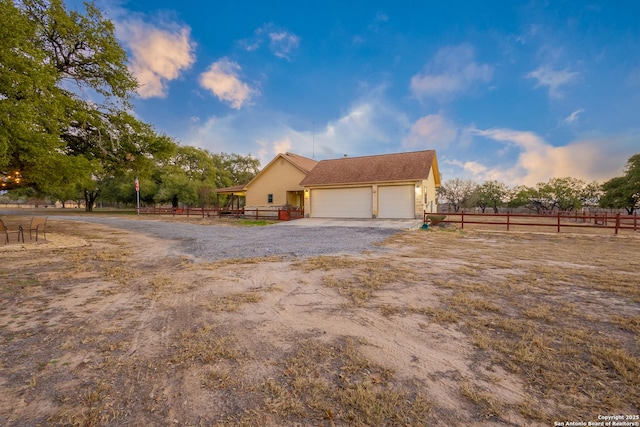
(543, 311)
(357, 278)
(233, 302)
(206, 344)
(93, 408)
(219, 379)
(468, 303)
(256, 222)
(490, 407)
(437, 315)
(326, 262)
(335, 382)
(235, 261)
(628, 323)
(26, 283)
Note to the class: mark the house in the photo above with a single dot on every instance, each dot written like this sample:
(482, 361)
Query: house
(278, 183)
(401, 185)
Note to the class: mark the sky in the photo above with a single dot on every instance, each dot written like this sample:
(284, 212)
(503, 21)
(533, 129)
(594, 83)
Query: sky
(514, 91)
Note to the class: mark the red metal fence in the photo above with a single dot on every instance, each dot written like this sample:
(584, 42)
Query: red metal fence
(558, 221)
(273, 214)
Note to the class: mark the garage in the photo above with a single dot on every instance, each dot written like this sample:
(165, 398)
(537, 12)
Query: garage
(397, 201)
(341, 203)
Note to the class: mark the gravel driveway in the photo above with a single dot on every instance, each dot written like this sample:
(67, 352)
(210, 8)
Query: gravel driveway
(215, 242)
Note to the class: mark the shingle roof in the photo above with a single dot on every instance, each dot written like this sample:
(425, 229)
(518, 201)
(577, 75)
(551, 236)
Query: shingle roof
(229, 190)
(304, 163)
(370, 169)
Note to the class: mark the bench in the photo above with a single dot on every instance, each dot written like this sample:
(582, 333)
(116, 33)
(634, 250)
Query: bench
(6, 231)
(38, 224)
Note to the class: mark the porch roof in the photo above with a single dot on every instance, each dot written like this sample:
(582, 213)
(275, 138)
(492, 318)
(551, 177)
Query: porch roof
(236, 190)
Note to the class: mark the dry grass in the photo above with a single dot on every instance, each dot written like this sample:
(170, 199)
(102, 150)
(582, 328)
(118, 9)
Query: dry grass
(530, 323)
(105, 336)
(335, 382)
(357, 278)
(204, 344)
(232, 302)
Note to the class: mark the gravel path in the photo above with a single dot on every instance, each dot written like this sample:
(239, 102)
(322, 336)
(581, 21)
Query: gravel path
(215, 242)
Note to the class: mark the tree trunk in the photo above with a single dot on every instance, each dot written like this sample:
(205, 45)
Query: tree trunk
(90, 199)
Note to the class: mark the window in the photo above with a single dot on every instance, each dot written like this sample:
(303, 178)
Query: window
(425, 195)
(269, 198)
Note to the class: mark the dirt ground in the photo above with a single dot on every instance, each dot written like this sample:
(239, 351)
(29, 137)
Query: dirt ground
(476, 328)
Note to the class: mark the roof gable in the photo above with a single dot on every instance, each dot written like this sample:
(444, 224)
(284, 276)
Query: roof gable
(368, 169)
(304, 164)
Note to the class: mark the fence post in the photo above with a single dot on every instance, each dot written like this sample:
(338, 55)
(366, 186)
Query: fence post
(558, 221)
(462, 220)
(635, 221)
(617, 222)
(507, 220)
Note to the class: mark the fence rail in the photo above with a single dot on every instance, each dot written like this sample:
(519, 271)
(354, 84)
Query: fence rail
(558, 221)
(273, 214)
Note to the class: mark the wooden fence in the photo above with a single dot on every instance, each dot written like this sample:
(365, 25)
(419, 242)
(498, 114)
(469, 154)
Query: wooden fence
(558, 221)
(272, 214)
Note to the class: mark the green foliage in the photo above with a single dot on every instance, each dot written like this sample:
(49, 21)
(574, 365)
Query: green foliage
(491, 194)
(564, 194)
(241, 169)
(623, 192)
(57, 141)
(28, 95)
(82, 47)
(64, 146)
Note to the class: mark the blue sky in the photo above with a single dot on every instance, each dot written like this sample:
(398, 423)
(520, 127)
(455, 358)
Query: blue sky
(515, 91)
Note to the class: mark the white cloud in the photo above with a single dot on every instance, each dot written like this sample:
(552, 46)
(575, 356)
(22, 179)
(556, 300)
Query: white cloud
(369, 126)
(370, 122)
(431, 132)
(573, 116)
(539, 161)
(282, 43)
(157, 55)
(282, 146)
(553, 80)
(452, 71)
(222, 78)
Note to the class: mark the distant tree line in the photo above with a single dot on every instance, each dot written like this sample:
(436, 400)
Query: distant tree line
(557, 194)
(66, 130)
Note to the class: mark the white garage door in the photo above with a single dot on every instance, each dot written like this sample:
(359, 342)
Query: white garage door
(396, 201)
(341, 203)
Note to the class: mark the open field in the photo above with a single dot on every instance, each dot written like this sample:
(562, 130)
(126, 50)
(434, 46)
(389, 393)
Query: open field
(101, 326)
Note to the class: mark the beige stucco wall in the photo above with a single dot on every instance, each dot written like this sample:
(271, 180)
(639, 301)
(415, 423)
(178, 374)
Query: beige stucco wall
(429, 187)
(425, 195)
(277, 178)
